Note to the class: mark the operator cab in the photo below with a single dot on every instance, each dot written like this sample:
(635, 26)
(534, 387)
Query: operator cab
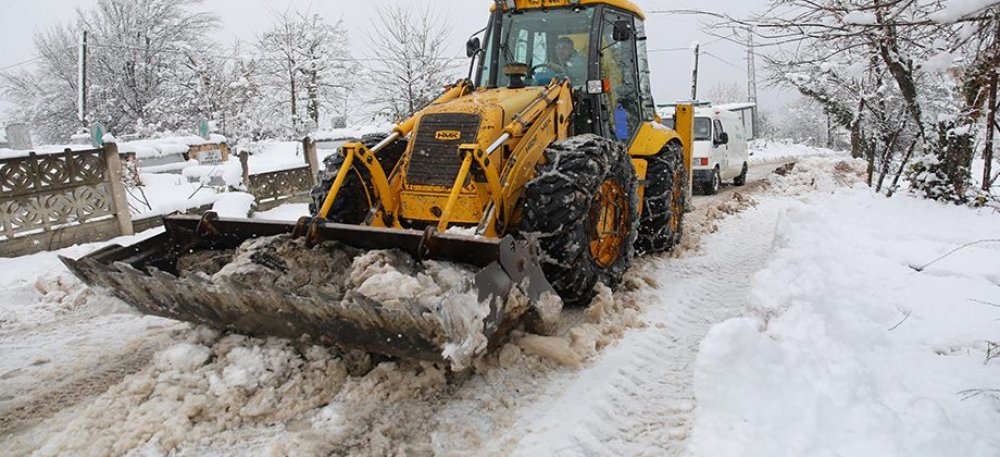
(600, 48)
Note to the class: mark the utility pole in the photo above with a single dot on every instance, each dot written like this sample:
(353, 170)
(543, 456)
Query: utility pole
(81, 101)
(694, 72)
(752, 79)
(991, 127)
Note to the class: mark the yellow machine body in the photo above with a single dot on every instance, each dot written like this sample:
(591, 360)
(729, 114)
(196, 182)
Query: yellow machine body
(484, 189)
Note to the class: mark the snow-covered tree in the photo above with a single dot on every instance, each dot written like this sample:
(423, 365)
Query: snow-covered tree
(412, 66)
(136, 54)
(904, 77)
(309, 61)
(727, 92)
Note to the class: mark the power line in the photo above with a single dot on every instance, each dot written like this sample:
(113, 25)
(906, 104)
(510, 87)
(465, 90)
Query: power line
(36, 59)
(720, 59)
(689, 48)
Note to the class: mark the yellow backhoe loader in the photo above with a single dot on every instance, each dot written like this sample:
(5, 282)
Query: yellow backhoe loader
(547, 170)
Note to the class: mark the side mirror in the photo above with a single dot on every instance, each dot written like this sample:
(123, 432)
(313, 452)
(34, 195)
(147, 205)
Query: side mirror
(723, 138)
(622, 32)
(473, 46)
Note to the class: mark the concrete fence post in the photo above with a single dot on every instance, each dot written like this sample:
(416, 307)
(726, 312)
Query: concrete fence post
(312, 158)
(118, 197)
(245, 163)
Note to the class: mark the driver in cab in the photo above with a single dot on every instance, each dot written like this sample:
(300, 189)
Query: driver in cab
(568, 62)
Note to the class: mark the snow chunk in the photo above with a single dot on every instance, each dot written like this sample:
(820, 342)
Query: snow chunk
(235, 205)
(183, 357)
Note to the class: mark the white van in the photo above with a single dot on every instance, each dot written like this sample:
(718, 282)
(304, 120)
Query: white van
(720, 149)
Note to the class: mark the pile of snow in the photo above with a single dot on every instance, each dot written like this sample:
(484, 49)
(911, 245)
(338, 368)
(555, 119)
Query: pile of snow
(195, 390)
(234, 205)
(771, 151)
(435, 301)
(857, 342)
(291, 212)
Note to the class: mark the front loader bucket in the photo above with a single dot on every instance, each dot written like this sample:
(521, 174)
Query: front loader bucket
(146, 276)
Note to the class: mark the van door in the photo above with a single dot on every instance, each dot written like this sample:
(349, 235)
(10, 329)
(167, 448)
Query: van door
(737, 146)
(721, 150)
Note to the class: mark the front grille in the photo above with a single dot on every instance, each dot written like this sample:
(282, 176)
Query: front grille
(435, 160)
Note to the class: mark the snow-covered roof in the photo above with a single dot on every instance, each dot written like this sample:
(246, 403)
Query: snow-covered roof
(351, 132)
(160, 147)
(735, 106)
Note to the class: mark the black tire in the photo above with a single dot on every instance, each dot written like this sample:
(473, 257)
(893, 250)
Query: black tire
(352, 203)
(741, 180)
(561, 211)
(712, 187)
(665, 192)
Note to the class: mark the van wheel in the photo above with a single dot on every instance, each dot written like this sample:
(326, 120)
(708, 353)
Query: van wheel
(582, 208)
(353, 200)
(663, 201)
(712, 187)
(741, 180)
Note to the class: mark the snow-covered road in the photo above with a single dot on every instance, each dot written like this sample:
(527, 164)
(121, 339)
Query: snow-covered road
(637, 398)
(617, 381)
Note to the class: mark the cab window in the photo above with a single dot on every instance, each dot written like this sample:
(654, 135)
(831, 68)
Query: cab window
(718, 132)
(551, 42)
(619, 66)
(702, 129)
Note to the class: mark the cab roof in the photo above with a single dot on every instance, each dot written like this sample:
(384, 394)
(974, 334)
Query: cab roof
(536, 4)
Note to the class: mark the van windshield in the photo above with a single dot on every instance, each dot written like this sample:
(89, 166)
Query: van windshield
(702, 128)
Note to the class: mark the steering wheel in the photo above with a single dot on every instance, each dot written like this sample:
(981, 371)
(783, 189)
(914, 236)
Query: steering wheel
(542, 65)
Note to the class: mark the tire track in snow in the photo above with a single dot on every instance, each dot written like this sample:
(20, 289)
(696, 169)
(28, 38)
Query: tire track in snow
(649, 374)
(95, 381)
(76, 373)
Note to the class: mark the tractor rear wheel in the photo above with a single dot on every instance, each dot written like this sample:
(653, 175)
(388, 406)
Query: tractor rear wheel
(354, 199)
(582, 208)
(664, 200)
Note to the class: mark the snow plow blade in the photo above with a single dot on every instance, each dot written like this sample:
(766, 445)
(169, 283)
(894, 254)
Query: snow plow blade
(145, 275)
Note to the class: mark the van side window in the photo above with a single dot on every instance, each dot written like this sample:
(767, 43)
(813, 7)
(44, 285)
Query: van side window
(718, 131)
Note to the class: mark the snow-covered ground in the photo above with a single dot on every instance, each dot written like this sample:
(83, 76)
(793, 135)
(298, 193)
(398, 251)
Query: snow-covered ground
(863, 336)
(774, 151)
(791, 322)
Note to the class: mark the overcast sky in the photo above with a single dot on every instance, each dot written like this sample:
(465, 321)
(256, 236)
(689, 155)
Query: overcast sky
(244, 19)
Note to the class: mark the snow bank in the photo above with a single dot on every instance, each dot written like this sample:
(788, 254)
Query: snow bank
(769, 151)
(847, 349)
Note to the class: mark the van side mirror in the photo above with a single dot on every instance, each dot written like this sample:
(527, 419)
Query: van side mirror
(723, 139)
(473, 46)
(622, 32)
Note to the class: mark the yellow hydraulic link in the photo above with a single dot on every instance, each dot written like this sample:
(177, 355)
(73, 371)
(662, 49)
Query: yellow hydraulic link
(345, 168)
(456, 190)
